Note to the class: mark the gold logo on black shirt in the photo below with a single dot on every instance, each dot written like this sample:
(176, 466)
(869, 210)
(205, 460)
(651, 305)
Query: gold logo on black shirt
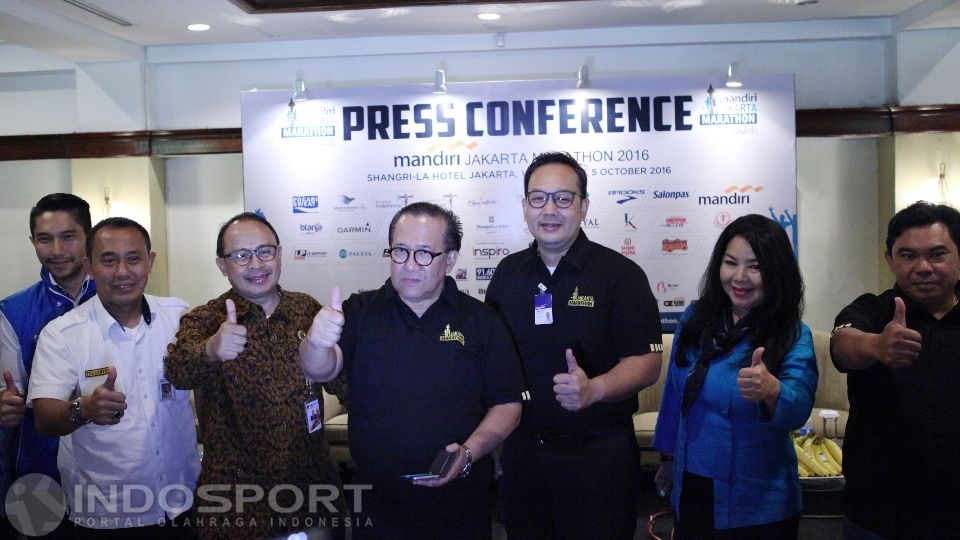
(580, 301)
(452, 336)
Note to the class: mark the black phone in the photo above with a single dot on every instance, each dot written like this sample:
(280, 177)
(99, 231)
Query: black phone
(439, 468)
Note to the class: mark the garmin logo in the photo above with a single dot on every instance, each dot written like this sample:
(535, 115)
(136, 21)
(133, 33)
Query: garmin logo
(365, 228)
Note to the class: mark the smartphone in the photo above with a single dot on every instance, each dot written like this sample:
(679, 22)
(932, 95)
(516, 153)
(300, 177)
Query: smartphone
(441, 465)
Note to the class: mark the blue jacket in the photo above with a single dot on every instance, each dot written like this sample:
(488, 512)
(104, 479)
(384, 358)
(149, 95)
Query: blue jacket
(28, 311)
(728, 438)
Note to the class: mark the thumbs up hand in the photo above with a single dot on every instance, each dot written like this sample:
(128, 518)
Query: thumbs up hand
(899, 345)
(573, 388)
(105, 406)
(230, 339)
(327, 324)
(12, 404)
(755, 382)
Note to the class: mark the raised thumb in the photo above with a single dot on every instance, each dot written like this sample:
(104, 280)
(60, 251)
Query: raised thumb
(11, 387)
(757, 358)
(336, 301)
(231, 312)
(899, 312)
(111, 378)
(571, 362)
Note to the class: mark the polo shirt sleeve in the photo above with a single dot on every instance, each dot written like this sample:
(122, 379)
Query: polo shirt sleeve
(10, 359)
(635, 317)
(868, 313)
(502, 377)
(186, 364)
(55, 367)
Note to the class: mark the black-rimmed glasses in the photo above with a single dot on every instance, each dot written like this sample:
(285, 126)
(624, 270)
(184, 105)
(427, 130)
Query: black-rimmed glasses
(562, 198)
(422, 257)
(242, 257)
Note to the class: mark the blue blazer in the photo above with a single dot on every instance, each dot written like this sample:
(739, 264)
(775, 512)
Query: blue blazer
(723, 436)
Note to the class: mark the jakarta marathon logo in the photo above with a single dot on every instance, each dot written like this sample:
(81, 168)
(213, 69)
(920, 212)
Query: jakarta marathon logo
(721, 108)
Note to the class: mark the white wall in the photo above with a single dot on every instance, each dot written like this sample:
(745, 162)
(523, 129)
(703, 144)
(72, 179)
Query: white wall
(202, 193)
(22, 184)
(839, 225)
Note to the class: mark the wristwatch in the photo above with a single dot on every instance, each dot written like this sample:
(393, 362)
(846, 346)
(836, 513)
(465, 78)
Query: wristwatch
(74, 414)
(468, 466)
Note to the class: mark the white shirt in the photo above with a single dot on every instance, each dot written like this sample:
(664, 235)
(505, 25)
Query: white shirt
(10, 358)
(144, 468)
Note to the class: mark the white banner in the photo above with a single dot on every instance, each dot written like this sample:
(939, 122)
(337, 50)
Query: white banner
(670, 162)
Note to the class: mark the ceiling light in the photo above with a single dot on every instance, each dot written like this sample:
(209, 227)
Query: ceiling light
(733, 76)
(440, 82)
(488, 16)
(199, 27)
(299, 90)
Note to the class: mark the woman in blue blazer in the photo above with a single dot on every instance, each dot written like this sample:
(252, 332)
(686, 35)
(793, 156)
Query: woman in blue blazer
(742, 376)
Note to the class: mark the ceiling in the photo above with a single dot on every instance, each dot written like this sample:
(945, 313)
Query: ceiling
(163, 22)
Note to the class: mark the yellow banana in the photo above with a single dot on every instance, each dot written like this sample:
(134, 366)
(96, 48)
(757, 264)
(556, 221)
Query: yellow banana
(816, 466)
(821, 456)
(802, 471)
(808, 462)
(835, 451)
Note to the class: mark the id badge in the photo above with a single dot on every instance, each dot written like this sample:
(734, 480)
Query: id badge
(166, 389)
(314, 417)
(543, 309)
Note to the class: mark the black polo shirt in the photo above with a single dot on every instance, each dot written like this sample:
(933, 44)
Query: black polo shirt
(900, 455)
(418, 384)
(603, 310)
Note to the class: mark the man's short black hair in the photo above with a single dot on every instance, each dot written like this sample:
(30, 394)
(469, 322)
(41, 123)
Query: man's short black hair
(452, 236)
(116, 223)
(243, 216)
(63, 202)
(923, 214)
(562, 158)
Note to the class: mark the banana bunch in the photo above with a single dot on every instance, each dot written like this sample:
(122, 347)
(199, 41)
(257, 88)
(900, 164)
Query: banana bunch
(817, 456)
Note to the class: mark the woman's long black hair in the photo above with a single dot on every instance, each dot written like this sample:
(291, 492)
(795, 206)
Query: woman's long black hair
(777, 318)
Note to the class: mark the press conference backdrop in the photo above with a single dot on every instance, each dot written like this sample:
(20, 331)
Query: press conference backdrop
(670, 162)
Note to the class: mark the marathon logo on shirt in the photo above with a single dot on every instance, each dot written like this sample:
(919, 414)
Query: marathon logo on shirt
(452, 336)
(579, 301)
(656, 347)
(99, 372)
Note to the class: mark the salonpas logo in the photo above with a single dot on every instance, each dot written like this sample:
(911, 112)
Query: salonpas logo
(579, 301)
(449, 335)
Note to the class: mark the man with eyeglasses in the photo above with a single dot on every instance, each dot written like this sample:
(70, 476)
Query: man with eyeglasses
(430, 370)
(240, 354)
(587, 329)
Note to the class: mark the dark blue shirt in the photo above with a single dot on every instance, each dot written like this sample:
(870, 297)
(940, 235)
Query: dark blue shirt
(28, 311)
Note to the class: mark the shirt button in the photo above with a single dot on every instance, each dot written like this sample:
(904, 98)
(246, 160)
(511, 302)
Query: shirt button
(145, 396)
(153, 424)
(158, 452)
(140, 371)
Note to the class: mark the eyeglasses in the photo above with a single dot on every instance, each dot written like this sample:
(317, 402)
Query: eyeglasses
(242, 257)
(422, 257)
(562, 198)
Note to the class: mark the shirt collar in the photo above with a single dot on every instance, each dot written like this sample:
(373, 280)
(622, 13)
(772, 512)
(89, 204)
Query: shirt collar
(245, 306)
(576, 255)
(450, 294)
(47, 278)
(914, 306)
(106, 321)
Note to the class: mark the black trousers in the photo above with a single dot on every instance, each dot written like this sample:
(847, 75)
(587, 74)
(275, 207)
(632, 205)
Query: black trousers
(696, 507)
(576, 486)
